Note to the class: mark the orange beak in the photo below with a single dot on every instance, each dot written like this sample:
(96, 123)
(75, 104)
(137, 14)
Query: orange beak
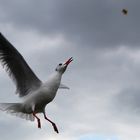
(68, 61)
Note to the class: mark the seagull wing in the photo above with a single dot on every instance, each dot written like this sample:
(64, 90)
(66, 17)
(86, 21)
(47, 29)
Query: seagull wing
(17, 68)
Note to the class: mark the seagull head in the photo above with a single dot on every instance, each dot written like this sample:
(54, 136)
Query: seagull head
(63, 66)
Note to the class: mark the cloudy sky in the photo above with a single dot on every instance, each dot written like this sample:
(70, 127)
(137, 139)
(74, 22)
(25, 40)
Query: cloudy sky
(103, 102)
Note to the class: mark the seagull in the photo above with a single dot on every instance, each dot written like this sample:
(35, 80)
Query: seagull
(34, 93)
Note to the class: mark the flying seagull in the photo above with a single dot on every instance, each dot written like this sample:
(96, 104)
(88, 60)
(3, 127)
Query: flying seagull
(35, 94)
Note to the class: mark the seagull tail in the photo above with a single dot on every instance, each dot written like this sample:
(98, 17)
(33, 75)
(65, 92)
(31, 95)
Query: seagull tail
(16, 110)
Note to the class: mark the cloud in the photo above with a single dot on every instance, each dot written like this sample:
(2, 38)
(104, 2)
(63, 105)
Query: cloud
(126, 105)
(93, 23)
(104, 77)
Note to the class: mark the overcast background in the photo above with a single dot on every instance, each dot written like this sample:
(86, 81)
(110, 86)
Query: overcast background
(103, 102)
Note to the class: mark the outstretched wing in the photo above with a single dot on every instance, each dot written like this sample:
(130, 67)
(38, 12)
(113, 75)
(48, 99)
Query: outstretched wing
(17, 68)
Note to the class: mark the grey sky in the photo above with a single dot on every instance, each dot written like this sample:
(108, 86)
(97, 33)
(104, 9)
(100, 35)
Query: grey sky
(104, 76)
(86, 22)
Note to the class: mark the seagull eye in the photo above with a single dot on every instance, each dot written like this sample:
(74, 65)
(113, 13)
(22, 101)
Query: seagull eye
(60, 64)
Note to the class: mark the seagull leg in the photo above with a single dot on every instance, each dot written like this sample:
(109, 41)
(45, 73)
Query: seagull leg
(53, 124)
(38, 120)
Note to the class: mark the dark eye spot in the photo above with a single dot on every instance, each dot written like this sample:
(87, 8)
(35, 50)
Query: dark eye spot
(60, 64)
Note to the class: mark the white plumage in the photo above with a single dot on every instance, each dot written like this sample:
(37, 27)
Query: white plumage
(35, 94)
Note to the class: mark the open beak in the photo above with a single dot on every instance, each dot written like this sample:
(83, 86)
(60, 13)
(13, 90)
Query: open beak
(68, 61)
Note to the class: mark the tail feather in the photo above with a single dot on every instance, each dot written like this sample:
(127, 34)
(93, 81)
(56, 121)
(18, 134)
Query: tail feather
(16, 110)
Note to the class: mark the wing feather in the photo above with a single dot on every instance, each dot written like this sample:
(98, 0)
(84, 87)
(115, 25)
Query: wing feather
(17, 68)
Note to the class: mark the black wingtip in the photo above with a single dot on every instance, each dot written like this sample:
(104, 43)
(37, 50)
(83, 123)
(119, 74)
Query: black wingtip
(3, 40)
(1, 35)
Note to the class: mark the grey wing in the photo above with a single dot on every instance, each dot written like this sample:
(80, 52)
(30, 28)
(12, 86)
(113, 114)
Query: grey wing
(17, 68)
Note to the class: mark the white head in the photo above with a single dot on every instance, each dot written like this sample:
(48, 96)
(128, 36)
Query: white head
(63, 66)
